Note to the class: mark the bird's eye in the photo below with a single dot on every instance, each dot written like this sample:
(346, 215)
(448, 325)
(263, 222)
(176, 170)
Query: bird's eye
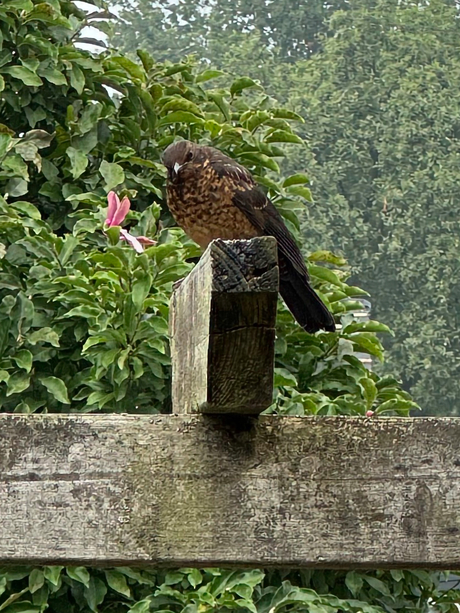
(189, 156)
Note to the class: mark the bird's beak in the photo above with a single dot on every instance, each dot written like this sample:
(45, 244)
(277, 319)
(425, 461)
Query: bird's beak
(177, 167)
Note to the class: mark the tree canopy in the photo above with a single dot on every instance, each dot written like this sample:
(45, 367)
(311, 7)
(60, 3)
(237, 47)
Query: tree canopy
(381, 116)
(222, 31)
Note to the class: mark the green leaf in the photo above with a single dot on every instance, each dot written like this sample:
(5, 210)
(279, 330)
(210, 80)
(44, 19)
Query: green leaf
(181, 104)
(327, 256)
(367, 326)
(17, 383)
(209, 74)
(369, 391)
(243, 83)
(222, 104)
(2, 83)
(21, 5)
(398, 575)
(296, 179)
(284, 378)
(173, 576)
(141, 288)
(377, 584)
(53, 76)
(44, 335)
(354, 582)
(24, 606)
(53, 574)
(36, 580)
(25, 75)
(27, 208)
(78, 161)
(40, 138)
(122, 359)
(56, 387)
(50, 170)
(143, 606)
(112, 173)
(17, 187)
(282, 136)
(261, 160)
(133, 69)
(84, 311)
(300, 190)
(77, 78)
(180, 117)
(79, 573)
(6, 142)
(89, 118)
(117, 582)
(35, 115)
(41, 596)
(325, 274)
(138, 367)
(146, 59)
(194, 577)
(23, 359)
(245, 591)
(23, 407)
(287, 114)
(16, 164)
(68, 246)
(101, 398)
(367, 343)
(95, 593)
(6, 307)
(396, 405)
(113, 234)
(29, 153)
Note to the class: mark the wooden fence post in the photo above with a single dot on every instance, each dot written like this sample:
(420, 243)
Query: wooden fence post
(222, 327)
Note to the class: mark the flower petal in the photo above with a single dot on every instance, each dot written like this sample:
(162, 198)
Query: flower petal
(132, 240)
(114, 204)
(121, 212)
(145, 240)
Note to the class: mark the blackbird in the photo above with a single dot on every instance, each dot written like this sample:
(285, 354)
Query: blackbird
(211, 196)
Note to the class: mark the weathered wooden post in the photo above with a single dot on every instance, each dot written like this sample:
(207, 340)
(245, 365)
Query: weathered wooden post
(222, 327)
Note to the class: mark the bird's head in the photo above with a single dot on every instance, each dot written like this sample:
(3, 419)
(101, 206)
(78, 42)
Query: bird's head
(180, 156)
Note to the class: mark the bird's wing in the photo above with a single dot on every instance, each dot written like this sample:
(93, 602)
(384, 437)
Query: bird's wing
(260, 211)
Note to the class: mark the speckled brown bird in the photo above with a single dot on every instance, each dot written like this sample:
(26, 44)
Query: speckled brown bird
(212, 196)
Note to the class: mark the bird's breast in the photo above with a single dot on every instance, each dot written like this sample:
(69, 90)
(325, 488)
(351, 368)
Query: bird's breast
(205, 211)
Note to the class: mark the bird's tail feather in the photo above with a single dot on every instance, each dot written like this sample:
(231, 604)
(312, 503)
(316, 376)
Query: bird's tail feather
(304, 303)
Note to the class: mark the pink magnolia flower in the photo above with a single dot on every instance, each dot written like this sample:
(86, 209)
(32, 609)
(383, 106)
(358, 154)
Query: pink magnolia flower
(116, 213)
(369, 413)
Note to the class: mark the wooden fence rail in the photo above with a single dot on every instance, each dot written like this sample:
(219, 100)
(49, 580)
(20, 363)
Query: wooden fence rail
(230, 490)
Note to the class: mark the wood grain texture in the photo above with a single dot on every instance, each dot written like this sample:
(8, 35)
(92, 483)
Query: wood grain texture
(222, 327)
(230, 490)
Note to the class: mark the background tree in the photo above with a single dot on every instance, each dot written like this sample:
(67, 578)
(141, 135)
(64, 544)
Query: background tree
(226, 33)
(381, 116)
